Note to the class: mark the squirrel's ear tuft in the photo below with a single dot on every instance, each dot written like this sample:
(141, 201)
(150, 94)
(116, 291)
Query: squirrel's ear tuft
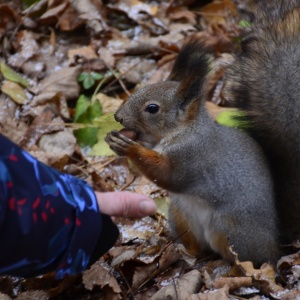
(191, 68)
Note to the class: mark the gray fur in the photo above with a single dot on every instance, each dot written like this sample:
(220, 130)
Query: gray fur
(219, 176)
(265, 83)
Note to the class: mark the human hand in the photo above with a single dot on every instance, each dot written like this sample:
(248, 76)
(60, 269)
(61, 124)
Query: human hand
(125, 204)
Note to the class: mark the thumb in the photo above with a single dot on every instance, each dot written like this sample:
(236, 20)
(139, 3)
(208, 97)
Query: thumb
(125, 204)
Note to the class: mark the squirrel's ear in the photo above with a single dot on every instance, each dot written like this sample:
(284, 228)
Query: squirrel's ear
(190, 69)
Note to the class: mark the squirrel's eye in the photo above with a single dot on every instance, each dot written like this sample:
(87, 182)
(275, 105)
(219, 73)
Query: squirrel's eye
(152, 108)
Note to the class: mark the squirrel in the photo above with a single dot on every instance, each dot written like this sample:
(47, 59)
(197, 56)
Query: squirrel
(264, 83)
(218, 178)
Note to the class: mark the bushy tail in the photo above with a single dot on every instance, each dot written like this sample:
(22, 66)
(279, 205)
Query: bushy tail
(265, 84)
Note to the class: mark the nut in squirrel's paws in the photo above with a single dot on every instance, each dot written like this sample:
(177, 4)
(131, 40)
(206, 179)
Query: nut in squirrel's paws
(119, 142)
(129, 133)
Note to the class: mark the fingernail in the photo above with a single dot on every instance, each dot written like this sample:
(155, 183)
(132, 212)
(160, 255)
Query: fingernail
(147, 207)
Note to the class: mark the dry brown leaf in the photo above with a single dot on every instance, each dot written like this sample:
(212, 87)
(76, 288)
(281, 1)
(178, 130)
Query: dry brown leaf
(181, 287)
(58, 144)
(43, 123)
(136, 69)
(70, 20)
(138, 229)
(52, 15)
(99, 275)
(289, 267)
(219, 12)
(145, 14)
(87, 52)
(33, 295)
(135, 9)
(37, 9)
(9, 18)
(221, 294)
(13, 129)
(47, 100)
(290, 295)
(144, 186)
(161, 73)
(109, 104)
(142, 274)
(92, 13)
(213, 270)
(183, 13)
(233, 283)
(63, 81)
(28, 48)
(4, 297)
(125, 255)
(264, 278)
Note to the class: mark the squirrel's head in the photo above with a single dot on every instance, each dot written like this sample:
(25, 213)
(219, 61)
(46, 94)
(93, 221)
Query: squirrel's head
(151, 112)
(156, 111)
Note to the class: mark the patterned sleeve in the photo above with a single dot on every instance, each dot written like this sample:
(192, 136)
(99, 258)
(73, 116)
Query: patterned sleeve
(49, 221)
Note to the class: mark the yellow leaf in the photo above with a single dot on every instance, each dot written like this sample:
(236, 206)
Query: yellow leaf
(11, 75)
(105, 123)
(14, 91)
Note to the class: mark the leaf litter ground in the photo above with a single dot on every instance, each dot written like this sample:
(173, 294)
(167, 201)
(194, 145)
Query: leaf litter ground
(56, 52)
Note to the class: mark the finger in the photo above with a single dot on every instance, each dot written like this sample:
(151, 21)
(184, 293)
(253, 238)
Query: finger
(125, 204)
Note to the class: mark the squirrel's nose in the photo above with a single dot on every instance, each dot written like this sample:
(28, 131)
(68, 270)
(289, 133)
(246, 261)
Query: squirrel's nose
(118, 118)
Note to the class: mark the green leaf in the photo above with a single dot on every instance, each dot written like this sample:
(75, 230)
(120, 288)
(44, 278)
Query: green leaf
(81, 108)
(231, 119)
(88, 81)
(28, 3)
(86, 136)
(245, 24)
(105, 124)
(94, 111)
(11, 75)
(82, 76)
(162, 206)
(97, 76)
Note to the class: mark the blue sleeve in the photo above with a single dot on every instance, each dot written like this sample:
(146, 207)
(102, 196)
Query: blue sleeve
(49, 221)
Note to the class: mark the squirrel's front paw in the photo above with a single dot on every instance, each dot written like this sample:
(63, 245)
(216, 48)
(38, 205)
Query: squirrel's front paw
(119, 143)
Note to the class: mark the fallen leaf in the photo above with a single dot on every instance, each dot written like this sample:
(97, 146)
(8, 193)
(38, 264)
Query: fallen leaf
(138, 229)
(58, 144)
(219, 11)
(4, 297)
(105, 124)
(233, 282)
(53, 13)
(220, 294)
(108, 104)
(14, 91)
(183, 13)
(99, 275)
(181, 287)
(137, 69)
(92, 13)
(264, 278)
(28, 48)
(8, 19)
(11, 75)
(63, 81)
(42, 124)
(33, 295)
(143, 274)
(54, 101)
(289, 268)
(87, 52)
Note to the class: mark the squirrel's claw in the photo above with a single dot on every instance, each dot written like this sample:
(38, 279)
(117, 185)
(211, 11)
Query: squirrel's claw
(119, 143)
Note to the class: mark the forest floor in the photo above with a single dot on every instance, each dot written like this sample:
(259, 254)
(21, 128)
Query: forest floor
(66, 67)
